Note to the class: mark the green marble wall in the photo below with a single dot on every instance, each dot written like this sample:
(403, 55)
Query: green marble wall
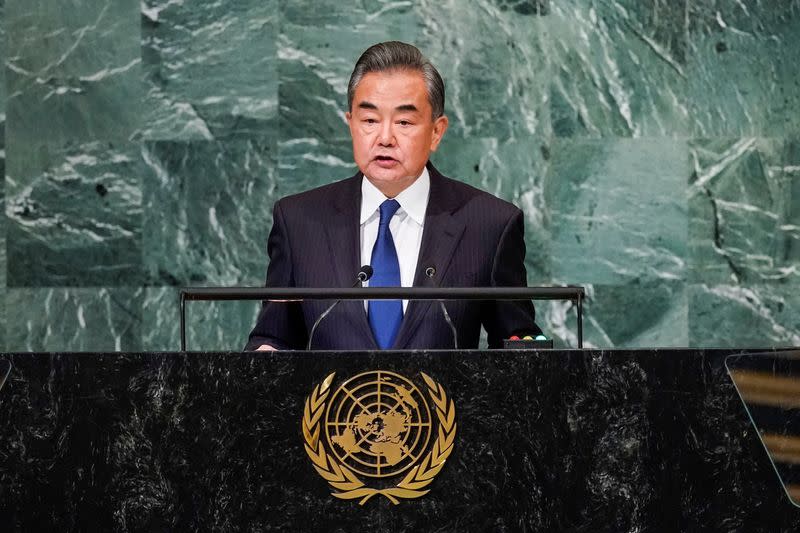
(654, 146)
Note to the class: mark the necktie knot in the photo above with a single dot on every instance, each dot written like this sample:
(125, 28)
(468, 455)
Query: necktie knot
(388, 209)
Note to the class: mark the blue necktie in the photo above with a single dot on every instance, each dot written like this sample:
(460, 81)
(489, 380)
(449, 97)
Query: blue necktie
(385, 316)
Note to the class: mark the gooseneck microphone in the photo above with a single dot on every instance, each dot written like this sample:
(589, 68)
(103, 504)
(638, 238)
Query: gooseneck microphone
(364, 273)
(431, 272)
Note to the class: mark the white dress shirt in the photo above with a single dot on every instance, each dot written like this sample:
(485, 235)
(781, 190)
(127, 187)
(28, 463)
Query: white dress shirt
(406, 225)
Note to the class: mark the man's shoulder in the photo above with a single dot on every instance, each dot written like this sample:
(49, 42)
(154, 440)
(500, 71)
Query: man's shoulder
(322, 196)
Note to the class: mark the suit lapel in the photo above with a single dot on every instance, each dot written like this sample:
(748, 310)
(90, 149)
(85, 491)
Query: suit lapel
(344, 243)
(440, 237)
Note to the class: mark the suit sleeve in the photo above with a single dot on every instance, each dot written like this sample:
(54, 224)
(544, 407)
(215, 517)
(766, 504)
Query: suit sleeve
(504, 318)
(279, 324)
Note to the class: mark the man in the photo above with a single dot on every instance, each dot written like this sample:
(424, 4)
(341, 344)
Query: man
(414, 226)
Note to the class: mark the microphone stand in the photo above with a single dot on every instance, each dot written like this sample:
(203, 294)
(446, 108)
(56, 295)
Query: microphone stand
(363, 275)
(431, 272)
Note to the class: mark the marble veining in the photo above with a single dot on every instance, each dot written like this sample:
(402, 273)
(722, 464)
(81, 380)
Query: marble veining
(743, 227)
(72, 74)
(210, 69)
(49, 319)
(73, 214)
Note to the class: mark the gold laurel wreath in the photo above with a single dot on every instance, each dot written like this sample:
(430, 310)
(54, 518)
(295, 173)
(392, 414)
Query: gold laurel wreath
(341, 478)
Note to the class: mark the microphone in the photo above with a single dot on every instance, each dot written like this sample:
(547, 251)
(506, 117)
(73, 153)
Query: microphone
(431, 272)
(364, 273)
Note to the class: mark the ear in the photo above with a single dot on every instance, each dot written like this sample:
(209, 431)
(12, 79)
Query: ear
(348, 116)
(439, 127)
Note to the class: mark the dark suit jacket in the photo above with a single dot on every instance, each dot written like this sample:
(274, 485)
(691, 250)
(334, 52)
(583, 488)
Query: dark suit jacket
(472, 238)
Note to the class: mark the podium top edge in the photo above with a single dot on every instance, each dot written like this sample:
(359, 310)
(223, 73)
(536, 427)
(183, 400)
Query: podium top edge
(388, 293)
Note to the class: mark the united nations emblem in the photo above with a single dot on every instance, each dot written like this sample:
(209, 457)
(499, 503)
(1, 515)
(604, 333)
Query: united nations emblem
(377, 427)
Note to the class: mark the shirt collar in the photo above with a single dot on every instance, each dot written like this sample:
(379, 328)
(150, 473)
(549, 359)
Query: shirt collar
(413, 200)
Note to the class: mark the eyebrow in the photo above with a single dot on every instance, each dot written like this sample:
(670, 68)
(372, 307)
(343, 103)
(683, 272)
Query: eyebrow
(404, 107)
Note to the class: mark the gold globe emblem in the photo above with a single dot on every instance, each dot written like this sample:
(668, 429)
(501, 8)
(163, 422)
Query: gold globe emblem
(379, 424)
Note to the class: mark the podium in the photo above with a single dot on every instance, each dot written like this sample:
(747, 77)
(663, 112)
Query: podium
(565, 440)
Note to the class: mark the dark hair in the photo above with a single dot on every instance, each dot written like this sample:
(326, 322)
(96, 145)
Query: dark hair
(396, 55)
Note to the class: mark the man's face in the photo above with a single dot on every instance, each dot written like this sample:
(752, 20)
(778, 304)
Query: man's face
(393, 129)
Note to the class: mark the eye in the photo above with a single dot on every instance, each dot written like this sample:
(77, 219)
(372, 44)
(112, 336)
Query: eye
(370, 121)
(404, 123)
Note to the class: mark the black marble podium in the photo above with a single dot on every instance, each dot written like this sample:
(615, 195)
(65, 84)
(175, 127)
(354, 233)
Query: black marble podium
(649, 440)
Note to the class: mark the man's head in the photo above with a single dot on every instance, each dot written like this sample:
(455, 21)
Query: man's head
(396, 114)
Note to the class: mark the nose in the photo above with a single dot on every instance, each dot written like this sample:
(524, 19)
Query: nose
(386, 134)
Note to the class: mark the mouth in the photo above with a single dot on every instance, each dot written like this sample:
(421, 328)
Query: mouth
(385, 161)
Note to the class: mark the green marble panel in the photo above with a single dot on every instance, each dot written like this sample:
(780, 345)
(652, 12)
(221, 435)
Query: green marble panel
(3, 282)
(4, 344)
(210, 69)
(3, 261)
(494, 62)
(3, 57)
(559, 321)
(618, 210)
(618, 68)
(318, 46)
(74, 320)
(210, 326)
(308, 163)
(375, 17)
(73, 71)
(514, 171)
(73, 214)
(744, 208)
(207, 211)
(638, 314)
(743, 75)
(757, 316)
